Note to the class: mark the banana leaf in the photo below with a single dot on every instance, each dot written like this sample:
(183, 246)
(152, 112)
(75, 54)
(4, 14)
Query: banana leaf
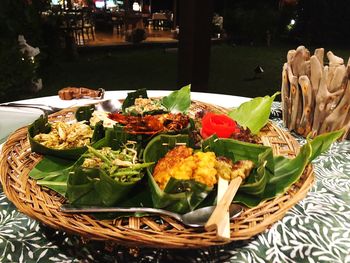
(41, 125)
(253, 114)
(52, 172)
(236, 150)
(95, 186)
(179, 196)
(84, 113)
(132, 96)
(115, 137)
(322, 142)
(288, 171)
(89, 186)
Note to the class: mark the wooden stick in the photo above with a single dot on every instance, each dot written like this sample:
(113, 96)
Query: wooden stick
(322, 99)
(319, 53)
(290, 56)
(215, 221)
(285, 92)
(223, 229)
(316, 74)
(338, 76)
(294, 99)
(305, 124)
(336, 120)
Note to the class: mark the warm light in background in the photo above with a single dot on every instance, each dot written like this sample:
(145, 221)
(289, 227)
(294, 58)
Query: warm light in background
(136, 6)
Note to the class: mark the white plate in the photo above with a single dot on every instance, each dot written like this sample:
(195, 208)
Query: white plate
(14, 118)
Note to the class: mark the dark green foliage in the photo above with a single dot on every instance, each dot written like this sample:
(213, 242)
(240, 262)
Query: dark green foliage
(249, 21)
(17, 71)
(323, 22)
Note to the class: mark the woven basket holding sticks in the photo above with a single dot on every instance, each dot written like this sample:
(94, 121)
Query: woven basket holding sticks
(148, 231)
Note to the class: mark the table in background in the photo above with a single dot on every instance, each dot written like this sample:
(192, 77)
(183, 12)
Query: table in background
(317, 229)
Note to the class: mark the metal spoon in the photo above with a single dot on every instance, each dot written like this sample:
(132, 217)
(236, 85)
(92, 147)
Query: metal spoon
(45, 108)
(195, 218)
(111, 105)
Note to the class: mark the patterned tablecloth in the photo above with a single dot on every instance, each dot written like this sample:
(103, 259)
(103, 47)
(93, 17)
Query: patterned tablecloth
(317, 229)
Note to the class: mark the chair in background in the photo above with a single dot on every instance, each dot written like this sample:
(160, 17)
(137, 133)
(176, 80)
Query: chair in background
(83, 26)
(118, 22)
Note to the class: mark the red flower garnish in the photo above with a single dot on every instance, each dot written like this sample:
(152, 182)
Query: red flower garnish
(220, 124)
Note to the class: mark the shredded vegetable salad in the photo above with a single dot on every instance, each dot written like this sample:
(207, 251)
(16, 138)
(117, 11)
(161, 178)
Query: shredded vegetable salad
(122, 165)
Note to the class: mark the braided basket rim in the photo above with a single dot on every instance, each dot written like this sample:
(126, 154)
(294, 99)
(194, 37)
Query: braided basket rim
(152, 231)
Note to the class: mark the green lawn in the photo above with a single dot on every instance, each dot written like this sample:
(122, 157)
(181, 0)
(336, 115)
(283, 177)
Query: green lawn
(231, 70)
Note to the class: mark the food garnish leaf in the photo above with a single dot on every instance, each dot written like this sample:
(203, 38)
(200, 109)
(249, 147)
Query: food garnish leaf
(178, 100)
(253, 114)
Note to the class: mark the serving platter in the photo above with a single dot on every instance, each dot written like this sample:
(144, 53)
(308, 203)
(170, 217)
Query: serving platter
(43, 204)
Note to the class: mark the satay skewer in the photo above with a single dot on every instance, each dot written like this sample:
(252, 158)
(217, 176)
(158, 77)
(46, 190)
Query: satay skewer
(219, 219)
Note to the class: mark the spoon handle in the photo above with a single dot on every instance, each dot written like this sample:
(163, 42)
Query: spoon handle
(221, 208)
(96, 209)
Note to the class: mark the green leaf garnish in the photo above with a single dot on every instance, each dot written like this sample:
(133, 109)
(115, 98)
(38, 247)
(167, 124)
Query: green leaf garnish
(178, 100)
(253, 114)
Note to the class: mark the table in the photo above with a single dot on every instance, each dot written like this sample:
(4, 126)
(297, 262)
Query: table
(317, 229)
(159, 20)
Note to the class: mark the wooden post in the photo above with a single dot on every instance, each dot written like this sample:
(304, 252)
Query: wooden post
(174, 14)
(69, 4)
(194, 43)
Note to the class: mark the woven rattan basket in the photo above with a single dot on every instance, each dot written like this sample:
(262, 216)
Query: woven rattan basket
(17, 160)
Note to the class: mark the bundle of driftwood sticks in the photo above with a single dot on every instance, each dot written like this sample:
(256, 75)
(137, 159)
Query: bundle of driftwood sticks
(315, 95)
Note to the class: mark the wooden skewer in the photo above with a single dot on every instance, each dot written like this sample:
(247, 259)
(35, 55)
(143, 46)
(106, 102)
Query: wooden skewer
(223, 230)
(216, 219)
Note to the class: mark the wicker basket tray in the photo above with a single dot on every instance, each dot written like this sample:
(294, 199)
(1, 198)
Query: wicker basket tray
(152, 231)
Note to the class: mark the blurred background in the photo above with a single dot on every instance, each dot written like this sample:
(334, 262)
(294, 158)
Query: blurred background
(233, 47)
